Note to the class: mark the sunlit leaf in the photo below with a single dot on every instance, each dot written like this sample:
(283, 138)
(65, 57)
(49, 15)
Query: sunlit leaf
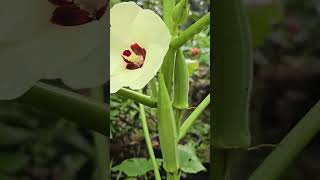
(136, 166)
(192, 66)
(189, 162)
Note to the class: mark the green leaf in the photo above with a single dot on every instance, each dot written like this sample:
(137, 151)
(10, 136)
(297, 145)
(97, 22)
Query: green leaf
(12, 162)
(189, 162)
(136, 166)
(192, 66)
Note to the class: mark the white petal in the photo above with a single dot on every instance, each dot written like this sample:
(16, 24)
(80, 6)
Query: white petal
(123, 80)
(121, 17)
(16, 75)
(23, 20)
(130, 24)
(23, 64)
(91, 72)
(117, 46)
(148, 28)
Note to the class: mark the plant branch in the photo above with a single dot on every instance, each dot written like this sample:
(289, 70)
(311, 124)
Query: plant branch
(293, 143)
(139, 97)
(83, 111)
(193, 117)
(148, 141)
(219, 163)
(188, 34)
(168, 6)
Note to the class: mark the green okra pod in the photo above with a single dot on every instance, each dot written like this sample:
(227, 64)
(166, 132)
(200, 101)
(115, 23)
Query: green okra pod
(167, 129)
(168, 68)
(181, 82)
(232, 75)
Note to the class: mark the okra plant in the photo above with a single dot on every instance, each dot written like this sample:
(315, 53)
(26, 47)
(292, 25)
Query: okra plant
(145, 52)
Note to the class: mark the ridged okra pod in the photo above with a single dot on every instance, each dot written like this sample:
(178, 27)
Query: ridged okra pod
(167, 129)
(232, 75)
(181, 82)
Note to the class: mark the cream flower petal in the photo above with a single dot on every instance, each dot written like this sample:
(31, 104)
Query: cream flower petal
(117, 46)
(148, 28)
(23, 20)
(121, 17)
(144, 28)
(70, 44)
(123, 79)
(90, 72)
(46, 54)
(15, 77)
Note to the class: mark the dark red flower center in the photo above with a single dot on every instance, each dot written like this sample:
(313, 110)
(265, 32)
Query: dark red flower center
(68, 13)
(134, 57)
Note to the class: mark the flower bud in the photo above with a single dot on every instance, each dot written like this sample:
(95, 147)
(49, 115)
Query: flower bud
(180, 12)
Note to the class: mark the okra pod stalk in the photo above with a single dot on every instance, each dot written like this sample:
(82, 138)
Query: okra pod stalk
(181, 82)
(167, 129)
(232, 75)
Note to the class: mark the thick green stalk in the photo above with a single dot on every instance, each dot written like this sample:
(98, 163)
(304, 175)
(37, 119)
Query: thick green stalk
(154, 88)
(89, 113)
(188, 34)
(167, 11)
(173, 176)
(101, 148)
(193, 117)
(232, 75)
(219, 161)
(178, 116)
(138, 97)
(288, 149)
(232, 78)
(148, 142)
(168, 62)
(168, 68)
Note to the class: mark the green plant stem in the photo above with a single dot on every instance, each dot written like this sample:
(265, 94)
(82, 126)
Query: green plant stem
(232, 76)
(188, 34)
(168, 6)
(83, 111)
(148, 141)
(173, 176)
(178, 116)
(293, 143)
(101, 149)
(139, 97)
(193, 117)
(154, 88)
(168, 62)
(219, 164)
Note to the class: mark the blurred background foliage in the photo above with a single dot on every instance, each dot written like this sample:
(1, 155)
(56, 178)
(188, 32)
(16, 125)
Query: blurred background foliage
(286, 82)
(39, 145)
